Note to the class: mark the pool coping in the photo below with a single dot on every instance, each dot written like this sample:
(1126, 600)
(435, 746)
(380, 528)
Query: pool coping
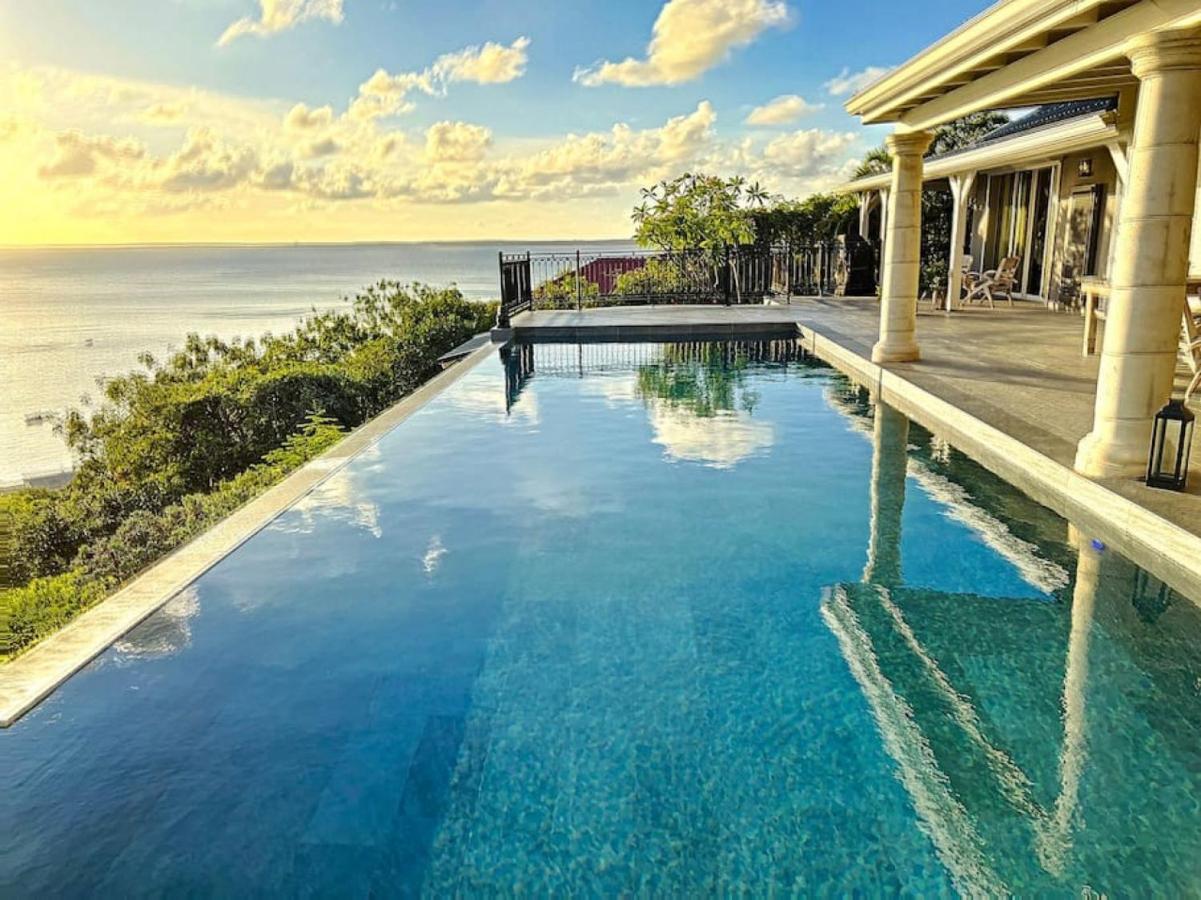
(33, 676)
(1161, 547)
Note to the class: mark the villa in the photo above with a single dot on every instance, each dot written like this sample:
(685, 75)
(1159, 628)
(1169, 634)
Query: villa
(1122, 174)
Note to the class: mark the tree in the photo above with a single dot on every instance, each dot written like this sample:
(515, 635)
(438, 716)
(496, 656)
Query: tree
(877, 161)
(698, 212)
(694, 212)
(819, 217)
(175, 447)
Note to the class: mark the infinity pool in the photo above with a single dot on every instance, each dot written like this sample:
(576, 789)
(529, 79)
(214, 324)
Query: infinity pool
(641, 619)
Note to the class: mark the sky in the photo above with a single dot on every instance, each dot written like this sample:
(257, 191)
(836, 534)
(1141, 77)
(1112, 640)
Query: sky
(140, 121)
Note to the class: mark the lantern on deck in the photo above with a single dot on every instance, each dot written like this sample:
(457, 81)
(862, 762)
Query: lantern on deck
(1171, 442)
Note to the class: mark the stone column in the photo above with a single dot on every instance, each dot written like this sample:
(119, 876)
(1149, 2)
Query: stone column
(902, 250)
(890, 465)
(882, 199)
(866, 199)
(1146, 298)
(961, 195)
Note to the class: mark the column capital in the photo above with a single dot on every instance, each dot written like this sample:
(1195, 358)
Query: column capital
(908, 143)
(1161, 51)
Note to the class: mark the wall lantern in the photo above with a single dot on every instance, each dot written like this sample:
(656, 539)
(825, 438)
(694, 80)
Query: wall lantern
(1171, 442)
(1084, 168)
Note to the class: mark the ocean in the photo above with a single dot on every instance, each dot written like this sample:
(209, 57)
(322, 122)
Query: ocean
(69, 317)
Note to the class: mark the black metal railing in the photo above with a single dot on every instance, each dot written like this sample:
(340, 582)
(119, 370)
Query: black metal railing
(580, 279)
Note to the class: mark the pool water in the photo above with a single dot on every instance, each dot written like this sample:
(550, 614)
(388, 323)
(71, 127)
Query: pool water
(654, 619)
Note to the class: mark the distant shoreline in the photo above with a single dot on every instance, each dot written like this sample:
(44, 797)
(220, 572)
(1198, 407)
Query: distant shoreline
(250, 245)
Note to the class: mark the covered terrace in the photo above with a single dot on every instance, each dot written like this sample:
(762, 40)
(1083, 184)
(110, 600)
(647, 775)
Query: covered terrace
(1027, 53)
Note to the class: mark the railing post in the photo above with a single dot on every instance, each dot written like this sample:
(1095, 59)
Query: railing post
(502, 312)
(788, 272)
(725, 282)
(579, 300)
(527, 294)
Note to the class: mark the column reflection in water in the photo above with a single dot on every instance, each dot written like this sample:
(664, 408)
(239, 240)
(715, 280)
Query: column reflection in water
(1055, 842)
(890, 465)
(1045, 739)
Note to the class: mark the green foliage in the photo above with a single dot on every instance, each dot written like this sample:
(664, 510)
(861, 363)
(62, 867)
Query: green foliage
(680, 274)
(951, 136)
(963, 132)
(697, 212)
(43, 606)
(560, 292)
(819, 217)
(176, 447)
(877, 161)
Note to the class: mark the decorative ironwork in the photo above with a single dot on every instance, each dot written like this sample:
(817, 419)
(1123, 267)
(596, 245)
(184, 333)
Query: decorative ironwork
(579, 279)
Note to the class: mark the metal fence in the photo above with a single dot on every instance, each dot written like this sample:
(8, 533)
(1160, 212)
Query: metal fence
(580, 279)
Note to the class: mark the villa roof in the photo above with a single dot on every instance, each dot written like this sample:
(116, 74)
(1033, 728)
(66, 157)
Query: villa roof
(1042, 117)
(1051, 130)
(1050, 114)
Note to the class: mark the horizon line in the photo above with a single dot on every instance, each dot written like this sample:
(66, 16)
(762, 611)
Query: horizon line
(135, 245)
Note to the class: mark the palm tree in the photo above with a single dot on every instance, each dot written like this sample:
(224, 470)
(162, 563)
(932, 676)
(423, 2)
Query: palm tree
(757, 195)
(877, 162)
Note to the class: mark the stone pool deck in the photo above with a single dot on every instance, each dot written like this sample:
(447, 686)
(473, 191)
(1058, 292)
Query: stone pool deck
(1009, 386)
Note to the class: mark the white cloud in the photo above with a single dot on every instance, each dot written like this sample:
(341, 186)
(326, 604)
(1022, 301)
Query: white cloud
(319, 148)
(163, 113)
(689, 38)
(301, 118)
(456, 142)
(78, 155)
(280, 15)
(207, 163)
(385, 94)
(848, 82)
(721, 441)
(803, 153)
(491, 63)
(601, 161)
(782, 110)
(278, 164)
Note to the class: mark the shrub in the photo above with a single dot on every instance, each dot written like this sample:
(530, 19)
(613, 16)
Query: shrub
(43, 606)
(560, 293)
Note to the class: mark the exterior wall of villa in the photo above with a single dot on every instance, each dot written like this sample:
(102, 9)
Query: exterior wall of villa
(984, 220)
(1071, 181)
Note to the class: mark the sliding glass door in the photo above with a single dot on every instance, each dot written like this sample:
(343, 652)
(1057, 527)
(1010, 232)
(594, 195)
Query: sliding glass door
(1019, 204)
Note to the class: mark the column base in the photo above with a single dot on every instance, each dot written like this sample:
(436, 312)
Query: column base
(1109, 457)
(893, 352)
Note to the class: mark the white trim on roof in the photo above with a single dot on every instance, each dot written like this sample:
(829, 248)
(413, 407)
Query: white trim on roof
(1022, 149)
(1014, 54)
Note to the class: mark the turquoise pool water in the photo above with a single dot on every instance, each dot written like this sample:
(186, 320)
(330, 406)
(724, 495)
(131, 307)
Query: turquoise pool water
(642, 619)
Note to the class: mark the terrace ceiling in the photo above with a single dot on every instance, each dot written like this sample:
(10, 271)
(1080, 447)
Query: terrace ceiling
(1020, 53)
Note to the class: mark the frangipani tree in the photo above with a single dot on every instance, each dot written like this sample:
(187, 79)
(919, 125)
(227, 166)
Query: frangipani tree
(699, 212)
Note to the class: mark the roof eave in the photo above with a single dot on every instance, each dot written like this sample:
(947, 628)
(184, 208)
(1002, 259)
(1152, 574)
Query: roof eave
(1010, 56)
(1056, 140)
(984, 33)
